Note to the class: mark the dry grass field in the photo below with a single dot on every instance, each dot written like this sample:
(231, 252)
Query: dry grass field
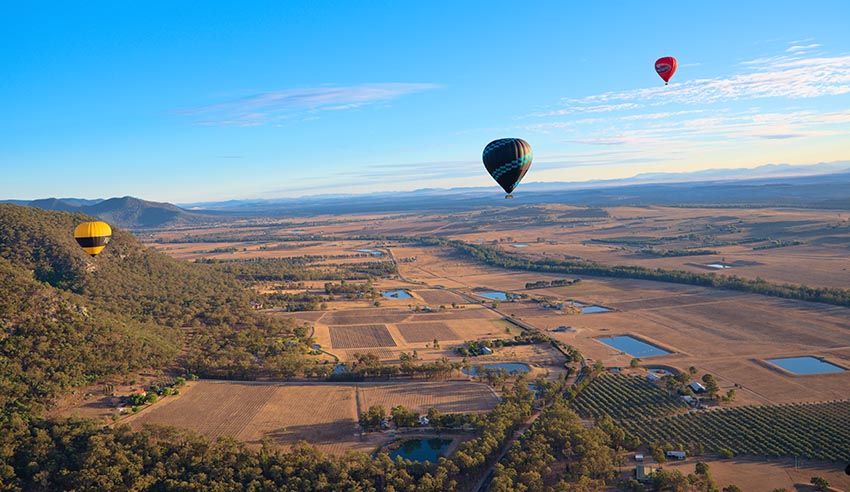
(439, 297)
(447, 397)
(725, 334)
(766, 475)
(322, 414)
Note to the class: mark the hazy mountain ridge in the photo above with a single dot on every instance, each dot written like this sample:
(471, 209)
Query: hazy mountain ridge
(819, 185)
(807, 190)
(125, 212)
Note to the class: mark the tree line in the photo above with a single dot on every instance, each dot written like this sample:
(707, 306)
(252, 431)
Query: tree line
(495, 257)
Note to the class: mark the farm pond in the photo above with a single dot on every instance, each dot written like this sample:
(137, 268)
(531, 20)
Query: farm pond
(806, 365)
(421, 450)
(396, 294)
(633, 346)
(511, 367)
(497, 296)
(589, 309)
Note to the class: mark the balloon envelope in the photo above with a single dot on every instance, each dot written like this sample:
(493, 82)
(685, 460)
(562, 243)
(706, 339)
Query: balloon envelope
(507, 160)
(666, 67)
(93, 236)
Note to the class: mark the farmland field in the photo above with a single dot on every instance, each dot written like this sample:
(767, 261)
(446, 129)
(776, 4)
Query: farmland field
(626, 397)
(360, 336)
(322, 414)
(426, 332)
(437, 297)
(813, 430)
(448, 397)
(364, 316)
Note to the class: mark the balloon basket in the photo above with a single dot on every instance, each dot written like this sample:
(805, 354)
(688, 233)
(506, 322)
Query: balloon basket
(508, 196)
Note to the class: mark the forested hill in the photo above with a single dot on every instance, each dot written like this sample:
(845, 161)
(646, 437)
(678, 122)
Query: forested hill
(127, 212)
(67, 319)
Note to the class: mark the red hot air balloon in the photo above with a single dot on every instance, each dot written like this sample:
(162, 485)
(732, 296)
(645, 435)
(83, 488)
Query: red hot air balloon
(666, 67)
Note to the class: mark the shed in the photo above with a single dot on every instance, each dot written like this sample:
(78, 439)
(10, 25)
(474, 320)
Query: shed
(696, 387)
(643, 473)
(652, 376)
(676, 455)
(638, 457)
(486, 350)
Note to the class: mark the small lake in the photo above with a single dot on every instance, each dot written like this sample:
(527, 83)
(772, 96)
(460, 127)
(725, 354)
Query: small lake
(396, 294)
(511, 367)
(806, 365)
(633, 346)
(498, 296)
(421, 450)
(340, 369)
(589, 309)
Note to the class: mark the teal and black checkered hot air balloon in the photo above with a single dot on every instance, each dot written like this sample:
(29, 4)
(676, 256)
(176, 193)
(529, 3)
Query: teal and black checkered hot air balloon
(507, 160)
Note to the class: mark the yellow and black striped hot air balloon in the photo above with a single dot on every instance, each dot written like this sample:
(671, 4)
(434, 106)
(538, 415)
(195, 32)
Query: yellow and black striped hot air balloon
(93, 236)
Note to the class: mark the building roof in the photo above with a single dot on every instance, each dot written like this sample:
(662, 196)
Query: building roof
(696, 387)
(642, 472)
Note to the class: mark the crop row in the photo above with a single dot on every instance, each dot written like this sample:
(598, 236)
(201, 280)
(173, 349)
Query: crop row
(625, 397)
(817, 431)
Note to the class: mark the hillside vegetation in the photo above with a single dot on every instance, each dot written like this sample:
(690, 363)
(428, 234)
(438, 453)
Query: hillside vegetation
(67, 319)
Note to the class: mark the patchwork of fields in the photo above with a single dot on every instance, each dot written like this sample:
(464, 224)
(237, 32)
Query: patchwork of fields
(724, 333)
(324, 414)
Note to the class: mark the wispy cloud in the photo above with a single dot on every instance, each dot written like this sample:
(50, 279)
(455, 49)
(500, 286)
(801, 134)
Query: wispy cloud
(792, 77)
(258, 109)
(781, 136)
(797, 48)
(603, 108)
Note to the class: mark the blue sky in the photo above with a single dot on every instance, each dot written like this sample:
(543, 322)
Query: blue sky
(204, 101)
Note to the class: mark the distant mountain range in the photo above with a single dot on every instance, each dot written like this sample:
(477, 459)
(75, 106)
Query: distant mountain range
(821, 185)
(126, 212)
(824, 184)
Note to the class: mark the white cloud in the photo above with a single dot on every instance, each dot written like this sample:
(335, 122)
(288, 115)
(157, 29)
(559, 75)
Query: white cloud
(262, 108)
(774, 77)
(802, 48)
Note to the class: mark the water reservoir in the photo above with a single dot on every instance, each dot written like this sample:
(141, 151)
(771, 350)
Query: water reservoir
(633, 346)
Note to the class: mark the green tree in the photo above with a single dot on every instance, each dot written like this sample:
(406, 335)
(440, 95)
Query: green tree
(371, 419)
(821, 484)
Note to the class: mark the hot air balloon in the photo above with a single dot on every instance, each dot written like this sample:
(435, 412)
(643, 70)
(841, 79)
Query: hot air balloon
(93, 236)
(666, 67)
(507, 160)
